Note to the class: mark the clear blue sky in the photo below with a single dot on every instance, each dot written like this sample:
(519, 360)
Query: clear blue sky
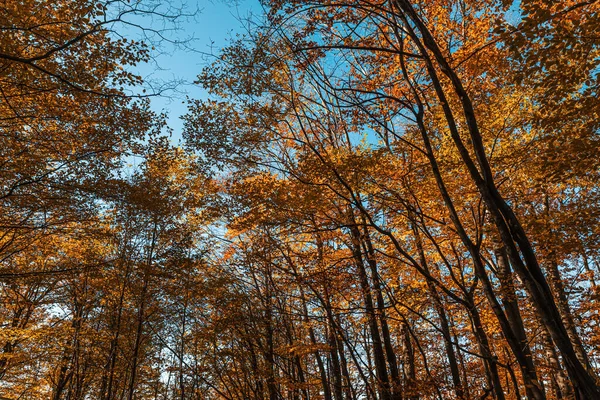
(215, 23)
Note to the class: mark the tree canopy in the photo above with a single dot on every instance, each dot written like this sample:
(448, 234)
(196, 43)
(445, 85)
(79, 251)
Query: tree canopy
(378, 200)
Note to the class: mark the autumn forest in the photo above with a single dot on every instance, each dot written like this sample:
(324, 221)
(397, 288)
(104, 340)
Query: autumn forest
(374, 200)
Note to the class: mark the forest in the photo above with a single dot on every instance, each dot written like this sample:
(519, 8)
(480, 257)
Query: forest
(374, 200)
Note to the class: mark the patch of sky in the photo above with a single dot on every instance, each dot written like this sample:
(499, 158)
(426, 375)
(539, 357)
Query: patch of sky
(514, 13)
(183, 46)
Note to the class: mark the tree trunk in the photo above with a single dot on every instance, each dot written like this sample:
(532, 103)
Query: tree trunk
(444, 326)
(396, 388)
(489, 360)
(378, 352)
(533, 387)
(141, 314)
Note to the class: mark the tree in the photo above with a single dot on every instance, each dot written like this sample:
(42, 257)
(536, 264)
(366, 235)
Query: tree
(379, 200)
(420, 79)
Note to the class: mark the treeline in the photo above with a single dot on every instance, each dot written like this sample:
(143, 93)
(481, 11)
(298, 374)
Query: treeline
(391, 200)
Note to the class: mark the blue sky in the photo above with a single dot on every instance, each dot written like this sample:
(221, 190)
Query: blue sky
(210, 29)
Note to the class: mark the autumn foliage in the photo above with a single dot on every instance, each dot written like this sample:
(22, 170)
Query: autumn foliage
(380, 200)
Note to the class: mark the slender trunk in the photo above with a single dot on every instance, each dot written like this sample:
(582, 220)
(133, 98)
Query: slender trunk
(378, 352)
(69, 359)
(489, 360)
(444, 326)
(109, 374)
(558, 379)
(410, 390)
(270, 337)
(256, 385)
(336, 370)
(562, 301)
(370, 392)
(301, 377)
(296, 366)
(461, 360)
(64, 377)
(138, 337)
(350, 395)
(182, 349)
(141, 314)
(385, 331)
(270, 359)
(556, 283)
(533, 387)
(313, 340)
(513, 377)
